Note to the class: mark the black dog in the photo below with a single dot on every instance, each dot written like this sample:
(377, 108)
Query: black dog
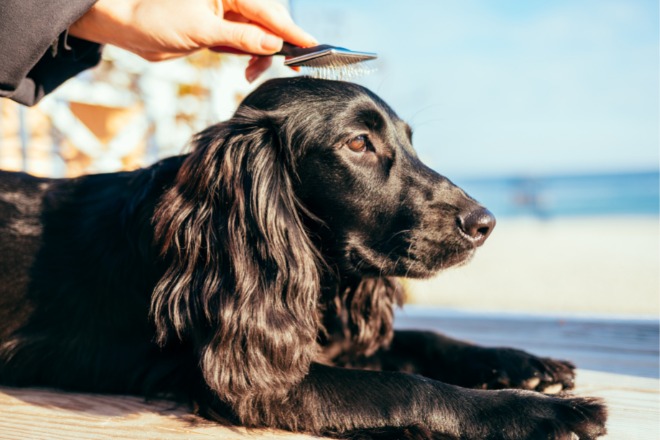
(247, 275)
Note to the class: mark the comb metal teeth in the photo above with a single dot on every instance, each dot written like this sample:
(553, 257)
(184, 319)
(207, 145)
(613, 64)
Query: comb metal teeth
(327, 57)
(337, 72)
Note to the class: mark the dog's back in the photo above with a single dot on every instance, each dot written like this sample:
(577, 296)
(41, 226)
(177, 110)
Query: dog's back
(76, 267)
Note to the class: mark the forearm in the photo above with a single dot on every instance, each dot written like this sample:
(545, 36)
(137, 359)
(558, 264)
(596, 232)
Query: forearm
(461, 363)
(338, 400)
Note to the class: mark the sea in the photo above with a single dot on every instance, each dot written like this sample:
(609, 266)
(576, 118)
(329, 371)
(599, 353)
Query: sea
(568, 195)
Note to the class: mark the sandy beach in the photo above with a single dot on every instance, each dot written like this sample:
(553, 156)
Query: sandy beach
(595, 265)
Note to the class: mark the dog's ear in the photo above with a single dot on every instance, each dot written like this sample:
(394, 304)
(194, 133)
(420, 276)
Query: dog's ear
(369, 313)
(242, 276)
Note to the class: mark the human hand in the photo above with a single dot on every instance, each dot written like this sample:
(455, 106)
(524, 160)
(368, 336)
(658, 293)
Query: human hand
(163, 29)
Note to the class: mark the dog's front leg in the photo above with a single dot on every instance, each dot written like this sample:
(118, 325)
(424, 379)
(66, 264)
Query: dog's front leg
(457, 362)
(376, 404)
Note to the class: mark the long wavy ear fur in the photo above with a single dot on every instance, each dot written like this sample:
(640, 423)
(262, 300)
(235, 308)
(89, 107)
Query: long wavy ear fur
(370, 305)
(362, 312)
(242, 277)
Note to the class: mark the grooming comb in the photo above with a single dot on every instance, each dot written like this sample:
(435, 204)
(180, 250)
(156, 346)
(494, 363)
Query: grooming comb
(327, 62)
(323, 61)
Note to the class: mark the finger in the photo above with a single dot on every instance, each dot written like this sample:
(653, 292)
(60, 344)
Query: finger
(246, 37)
(274, 17)
(256, 67)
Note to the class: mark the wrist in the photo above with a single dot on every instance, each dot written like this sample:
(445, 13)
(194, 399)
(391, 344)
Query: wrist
(104, 21)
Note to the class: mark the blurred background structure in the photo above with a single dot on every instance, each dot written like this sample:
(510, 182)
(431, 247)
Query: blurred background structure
(123, 114)
(546, 112)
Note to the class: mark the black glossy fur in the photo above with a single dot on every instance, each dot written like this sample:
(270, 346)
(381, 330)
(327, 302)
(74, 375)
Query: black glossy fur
(244, 276)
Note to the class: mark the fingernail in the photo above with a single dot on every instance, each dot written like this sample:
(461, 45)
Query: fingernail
(271, 43)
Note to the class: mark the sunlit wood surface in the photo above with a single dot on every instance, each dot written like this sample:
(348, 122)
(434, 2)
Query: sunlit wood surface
(618, 361)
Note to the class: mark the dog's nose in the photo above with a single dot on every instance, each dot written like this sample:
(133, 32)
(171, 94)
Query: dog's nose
(476, 225)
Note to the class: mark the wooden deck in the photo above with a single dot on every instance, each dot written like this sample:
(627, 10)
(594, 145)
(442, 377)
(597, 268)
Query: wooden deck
(618, 361)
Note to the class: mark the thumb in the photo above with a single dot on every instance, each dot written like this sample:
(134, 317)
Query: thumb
(247, 37)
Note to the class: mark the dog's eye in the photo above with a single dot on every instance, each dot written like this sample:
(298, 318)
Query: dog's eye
(358, 144)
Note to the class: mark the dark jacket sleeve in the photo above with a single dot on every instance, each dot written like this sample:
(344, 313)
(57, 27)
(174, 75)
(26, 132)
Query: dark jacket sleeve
(30, 66)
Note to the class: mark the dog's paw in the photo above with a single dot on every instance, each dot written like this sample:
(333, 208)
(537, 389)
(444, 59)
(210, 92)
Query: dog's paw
(516, 414)
(498, 368)
(503, 415)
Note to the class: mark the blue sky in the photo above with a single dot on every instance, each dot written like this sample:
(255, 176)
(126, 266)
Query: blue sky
(496, 87)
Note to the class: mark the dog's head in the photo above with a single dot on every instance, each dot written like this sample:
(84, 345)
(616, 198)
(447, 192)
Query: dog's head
(384, 212)
(307, 171)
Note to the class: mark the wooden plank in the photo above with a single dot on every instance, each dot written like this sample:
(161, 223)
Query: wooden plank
(36, 414)
(633, 403)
